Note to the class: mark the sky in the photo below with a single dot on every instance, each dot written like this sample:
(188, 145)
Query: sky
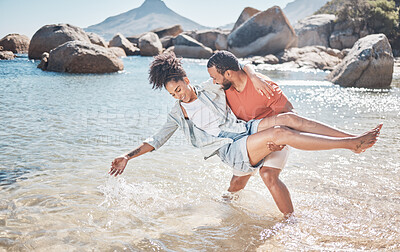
(28, 16)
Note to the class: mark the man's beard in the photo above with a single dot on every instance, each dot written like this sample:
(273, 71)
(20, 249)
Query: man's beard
(226, 84)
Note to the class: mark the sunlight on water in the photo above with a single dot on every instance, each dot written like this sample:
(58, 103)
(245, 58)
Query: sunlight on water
(60, 132)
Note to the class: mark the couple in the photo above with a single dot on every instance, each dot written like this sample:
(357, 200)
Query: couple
(250, 134)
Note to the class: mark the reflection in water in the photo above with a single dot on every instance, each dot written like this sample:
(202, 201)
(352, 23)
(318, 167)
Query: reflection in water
(60, 133)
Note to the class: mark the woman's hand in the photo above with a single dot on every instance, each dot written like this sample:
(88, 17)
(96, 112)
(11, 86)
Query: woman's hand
(263, 86)
(118, 165)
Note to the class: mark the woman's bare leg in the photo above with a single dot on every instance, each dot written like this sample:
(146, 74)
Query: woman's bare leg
(257, 144)
(300, 123)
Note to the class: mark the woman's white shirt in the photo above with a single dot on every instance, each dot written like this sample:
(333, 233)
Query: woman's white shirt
(202, 116)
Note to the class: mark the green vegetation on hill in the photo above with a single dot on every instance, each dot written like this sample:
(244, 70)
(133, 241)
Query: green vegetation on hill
(380, 16)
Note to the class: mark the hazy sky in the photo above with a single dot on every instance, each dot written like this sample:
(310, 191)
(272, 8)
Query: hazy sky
(27, 16)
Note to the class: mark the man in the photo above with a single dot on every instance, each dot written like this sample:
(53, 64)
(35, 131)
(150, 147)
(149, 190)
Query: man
(247, 103)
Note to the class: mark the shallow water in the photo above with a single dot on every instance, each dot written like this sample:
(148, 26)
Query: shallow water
(59, 133)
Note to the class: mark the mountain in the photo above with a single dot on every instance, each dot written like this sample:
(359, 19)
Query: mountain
(227, 26)
(152, 14)
(300, 9)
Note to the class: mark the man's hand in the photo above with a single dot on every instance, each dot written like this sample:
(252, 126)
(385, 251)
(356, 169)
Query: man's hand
(274, 147)
(118, 166)
(263, 86)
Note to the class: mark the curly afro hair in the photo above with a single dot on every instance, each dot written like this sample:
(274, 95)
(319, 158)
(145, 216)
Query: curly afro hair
(164, 68)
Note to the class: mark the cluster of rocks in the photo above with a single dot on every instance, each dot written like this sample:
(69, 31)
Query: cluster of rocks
(264, 37)
(67, 48)
(13, 44)
(323, 29)
(314, 57)
(369, 63)
(355, 58)
(255, 33)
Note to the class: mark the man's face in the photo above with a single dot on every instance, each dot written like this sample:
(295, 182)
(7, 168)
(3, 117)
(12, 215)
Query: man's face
(219, 78)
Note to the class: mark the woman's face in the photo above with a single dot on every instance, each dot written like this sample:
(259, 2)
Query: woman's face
(181, 90)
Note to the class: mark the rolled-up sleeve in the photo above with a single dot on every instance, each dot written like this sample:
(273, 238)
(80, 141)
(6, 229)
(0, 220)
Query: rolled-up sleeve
(162, 136)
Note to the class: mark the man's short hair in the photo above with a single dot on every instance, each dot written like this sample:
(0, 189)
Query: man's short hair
(223, 61)
(164, 68)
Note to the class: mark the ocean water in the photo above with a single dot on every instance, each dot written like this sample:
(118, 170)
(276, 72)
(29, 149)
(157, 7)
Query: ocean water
(60, 132)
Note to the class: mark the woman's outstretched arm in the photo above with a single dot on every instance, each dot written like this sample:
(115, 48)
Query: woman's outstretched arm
(118, 164)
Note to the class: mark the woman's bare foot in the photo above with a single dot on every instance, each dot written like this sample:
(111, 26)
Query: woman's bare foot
(367, 140)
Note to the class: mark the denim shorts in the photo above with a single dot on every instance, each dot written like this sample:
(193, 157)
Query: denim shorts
(235, 154)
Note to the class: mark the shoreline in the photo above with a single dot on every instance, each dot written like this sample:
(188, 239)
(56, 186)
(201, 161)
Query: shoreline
(287, 66)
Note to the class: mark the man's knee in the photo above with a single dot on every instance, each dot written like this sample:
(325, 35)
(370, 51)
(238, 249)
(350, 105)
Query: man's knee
(270, 175)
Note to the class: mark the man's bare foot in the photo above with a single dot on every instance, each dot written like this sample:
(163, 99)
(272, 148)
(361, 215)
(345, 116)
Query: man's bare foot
(367, 140)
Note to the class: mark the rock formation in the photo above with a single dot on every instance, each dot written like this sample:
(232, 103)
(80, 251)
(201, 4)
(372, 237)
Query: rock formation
(117, 51)
(50, 36)
(369, 64)
(81, 57)
(318, 57)
(345, 34)
(97, 39)
(119, 40)
(214, 39)
(315, 30)
(15, 43)
(267, 32)
(6, 55)
(169, 31)
(185, 46)
(150, 44)
(246, 14)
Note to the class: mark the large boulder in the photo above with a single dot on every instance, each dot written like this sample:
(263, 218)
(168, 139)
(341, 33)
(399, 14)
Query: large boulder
(6, 55)
(369, 64)
(222, 42)
(50, 36)
(315, 30)
(166, 41)
(15, 43)
(214, 39)
(150, 44)
(117, 51)
(97, 39)
(346, 33)
(169, 31)
(185, 46)
(319, 57)
(81, 57)
(267, 32)
(135, 39)
(119, 40)
(268, 59)
(246, 14)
